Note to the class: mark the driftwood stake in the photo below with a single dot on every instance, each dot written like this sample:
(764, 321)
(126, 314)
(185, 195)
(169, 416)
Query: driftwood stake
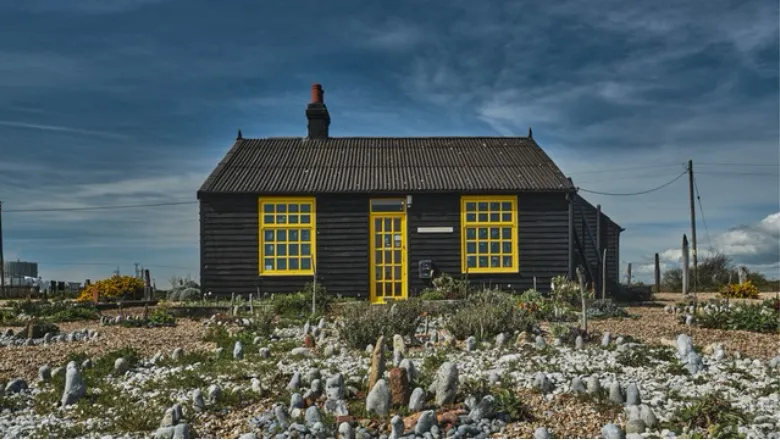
(604, 274)
(685, 264)
(581, 279)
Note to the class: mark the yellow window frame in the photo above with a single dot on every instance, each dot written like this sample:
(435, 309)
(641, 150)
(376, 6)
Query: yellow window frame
(282, 228)
(489, 223)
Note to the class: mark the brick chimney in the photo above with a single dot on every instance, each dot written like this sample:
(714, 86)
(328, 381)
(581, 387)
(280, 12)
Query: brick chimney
(317, 114)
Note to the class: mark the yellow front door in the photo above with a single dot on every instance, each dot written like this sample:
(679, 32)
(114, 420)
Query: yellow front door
(388, 250)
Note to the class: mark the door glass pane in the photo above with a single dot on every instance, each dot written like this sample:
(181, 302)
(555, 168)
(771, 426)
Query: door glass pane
(268, 219)
(494, 206)
(483, 217)
(397, 289)
(378, 224)
(471, 233)
(293, 219)
(494, 217)
(506, 217)
(269, 235)
(378, 287)
(378, 257)
(397, 257)
(388, 272)
(471, 247)
(506, 233)
(305, 235)
(483, 233)
(494, 261)
(396, 225)
(506, 206)
(305, 207)
(494, 233)
(471, 206)
(506, 246)
(281, 219)
(483, 206)
(471, 217)
(378, 274)
(388, 240)
(507, 261)
(389, 257)
(388, 224)
(281, 250)
(471, 261)
(378, 241)
(397, 272)
(494, 247)
(305, 219)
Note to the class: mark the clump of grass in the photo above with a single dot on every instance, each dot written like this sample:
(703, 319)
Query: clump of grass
(430, 366)
(488, 313)
(711, 413)
(633, 358)
(510, 403)
(364, 323)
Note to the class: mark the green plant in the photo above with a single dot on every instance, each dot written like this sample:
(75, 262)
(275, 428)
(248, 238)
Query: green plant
(57, 311)
(487, 313)
(364, 323)
(446, 287)
(567, 291)
(297, 304)
(510, 403)
(712, 413)
(605, 308)
(750, 317)
(431, 295)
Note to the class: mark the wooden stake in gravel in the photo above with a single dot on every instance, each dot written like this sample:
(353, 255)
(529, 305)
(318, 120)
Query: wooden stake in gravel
(581, 279)
(685, 262)
(604, 274)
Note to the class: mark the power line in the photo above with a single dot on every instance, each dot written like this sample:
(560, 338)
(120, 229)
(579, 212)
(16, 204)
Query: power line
(704, 220)
(737, 173)
(636, 193)
(97, 208)
(737, 164)
(644, 176)
(626, 169)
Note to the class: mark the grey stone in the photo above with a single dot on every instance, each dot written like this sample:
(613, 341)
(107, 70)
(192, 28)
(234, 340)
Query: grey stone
(577, 386)
(75, 388)
(248, 436)
(318, 429)
(214, 393)
(694, 363)
(417, 400)
(282, 417)
(470, 402)
(16, 386)
(328, 351)
(296, 401)
(579, 344)
(121, 366)
(265, 353)
(636, 426)
(493, 378)
(197, 400)
(632, 394)
(86, 364)
(169, 418)
(648, 416)
(163, 433)
(397, 427)
(774, 362)
(557, 342)
(398, 344)
(238, 351)
(334, 387)
(605, 339)
(542, 383)
(611, 431)
(411, 371)
(312, 375)
(398, 356)
(178, 411)
(177, 353)
(44, 373)
(471, 343)
(315, 390)
(426, 421)
(501, 339)
(295, 383)
(57, 371)
(615, 393)
(378, 400)
(688, 322)
(620, 340)
(257, 387)
(346, 430)
(312, 415)
(541, 433)
(594, 386)
(307, 328)
(218, 351)
(181, 431)
(336, 407)
(485, 409)
(369, 348)
(684, 345)
(446, 383)
(540, 342)
(301, 351)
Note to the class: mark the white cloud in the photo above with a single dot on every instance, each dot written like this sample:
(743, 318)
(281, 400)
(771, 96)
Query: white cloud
(62, 129)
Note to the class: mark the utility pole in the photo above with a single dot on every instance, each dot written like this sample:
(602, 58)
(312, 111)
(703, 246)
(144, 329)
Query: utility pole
(2, 262)
(693, 234)
(137, 274)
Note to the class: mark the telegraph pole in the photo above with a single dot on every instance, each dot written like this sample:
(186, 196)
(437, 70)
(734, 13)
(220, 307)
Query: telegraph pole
(693, 231)
(2, 262)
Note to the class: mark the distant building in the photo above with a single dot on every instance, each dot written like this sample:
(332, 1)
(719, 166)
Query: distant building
(19, 269)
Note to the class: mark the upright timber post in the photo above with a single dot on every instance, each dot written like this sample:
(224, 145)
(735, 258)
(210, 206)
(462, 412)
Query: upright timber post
(570, 198)
(2, 263)
(657, 274)
(599, 279)
(695, 274)
(604, 274)
(686, 283)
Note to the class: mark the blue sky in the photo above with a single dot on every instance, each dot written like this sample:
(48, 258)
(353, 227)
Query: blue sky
(135, 101)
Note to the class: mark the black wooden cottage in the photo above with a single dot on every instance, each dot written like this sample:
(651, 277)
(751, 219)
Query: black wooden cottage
(375, 217)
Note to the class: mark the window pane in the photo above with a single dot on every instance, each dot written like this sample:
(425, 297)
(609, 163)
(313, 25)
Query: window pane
(495, 261)
(268, 208)
(388, 224)
(293, 219)
(281, 250)
(483, 206)
(471, 247)
(293, 250)
(483, 233)
(268, 219)
(293, 234)
(378, 257)
(305, 263)
(388, 272)
(268, 263)
(281, 219)
(397, 289)
(378, 241)
(506, 233)
(281, 207)
(305, 235)
(471, 217)
(397, 225)
(483, 217)
(506, 217)
(305, 219)
(269, 235)
(281, 264)
(388, 240)
(293, 207)
(471, 206)
(506, 206)
(471, 233)
(281, 235)
(293, 264)
(471, 261)
(506, 247)
(389, 257)
(494, 233)
(305, 207)
(378, 289)
(397, 257)
(494, 206)
(494, 217)
(268, 250)
(494, 247)
(507, 261)
(397, 272)
(305, 249)
(483, 261)
(483, 247)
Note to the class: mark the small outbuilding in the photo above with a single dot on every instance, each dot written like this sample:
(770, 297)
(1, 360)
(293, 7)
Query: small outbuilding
(378, 217)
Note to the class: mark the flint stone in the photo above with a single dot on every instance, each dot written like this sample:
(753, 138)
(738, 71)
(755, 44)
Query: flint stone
(238, 351)
(312, 375)
(615, 393)
(611, 431)
(577, 386)
(493, 378)
(632, 394)
(636, 426)
(301, 351)
(306, 328)
(378, 400)
(296, 401)
(648, 416)
(312, 415)
(336, 407)
(411, 372)
(181, 431)
(606, 339)
(177, 353)
(121, 366)
(295, 382)
(579, 343)
(594, 386)
(684, 345)
(214, 393)
(397, 427)
(44, 373)
(620, 340)
(328, 351)
(542, 383)
(398, 344)
(417, 400)
(346, 431)
(248, 436)
(86, 364)
(170, 418)
(558, 342)
(694, 363)
(485, 409)
(75, 388)
(501, 339)
(377, 369)
(541, 433)
(281, 416)
(397, 358)
(334, 387)
(218, 351)
(471, 343)
(257, 387)
(197, 400)
(540, 343)
(16, 386)
(369, 348)
(163, 433)
(57, 371)
(446, 383)
(426, 421)
(470, 402)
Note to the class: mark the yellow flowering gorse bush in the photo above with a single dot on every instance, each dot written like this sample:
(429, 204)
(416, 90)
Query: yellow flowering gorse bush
(746, 290)
(116, 287)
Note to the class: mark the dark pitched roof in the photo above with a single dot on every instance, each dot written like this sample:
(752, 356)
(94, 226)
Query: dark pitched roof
(385, 165)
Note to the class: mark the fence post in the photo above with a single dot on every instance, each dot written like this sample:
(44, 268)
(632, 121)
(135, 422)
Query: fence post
(657, 274)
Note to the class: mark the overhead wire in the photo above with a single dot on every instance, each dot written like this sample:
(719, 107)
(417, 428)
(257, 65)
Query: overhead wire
(703, 219)
(635, 193)
(99, 208)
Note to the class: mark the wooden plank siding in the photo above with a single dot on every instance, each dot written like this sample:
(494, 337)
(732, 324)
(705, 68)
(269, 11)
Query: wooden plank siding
(610, 237)
(229, 243)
